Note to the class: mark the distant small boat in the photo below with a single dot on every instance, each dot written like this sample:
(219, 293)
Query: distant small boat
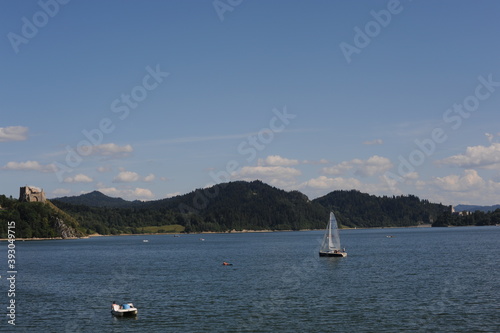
(330, 247)
(145, 240)
(124, 310)
(202, 239)
(390, 236)
(226, 264)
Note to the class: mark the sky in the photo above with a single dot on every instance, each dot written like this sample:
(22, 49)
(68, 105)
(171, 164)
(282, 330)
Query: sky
(146, 100)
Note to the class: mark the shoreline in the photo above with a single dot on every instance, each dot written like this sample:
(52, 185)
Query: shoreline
(159, 233)
(207, 232)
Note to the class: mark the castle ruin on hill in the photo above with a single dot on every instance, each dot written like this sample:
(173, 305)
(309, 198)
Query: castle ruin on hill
(31, 194)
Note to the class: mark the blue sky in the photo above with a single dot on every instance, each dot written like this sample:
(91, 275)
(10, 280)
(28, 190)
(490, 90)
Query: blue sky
(150, 99)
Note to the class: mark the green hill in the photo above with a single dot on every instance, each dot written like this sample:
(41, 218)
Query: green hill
(226, 207)
(247, 205)
(231, 206)
(97, 199)
(356, 209)
(244, 205)
(36, 220)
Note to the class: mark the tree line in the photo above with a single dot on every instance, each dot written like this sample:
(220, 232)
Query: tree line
(478, 218)
(237, 206)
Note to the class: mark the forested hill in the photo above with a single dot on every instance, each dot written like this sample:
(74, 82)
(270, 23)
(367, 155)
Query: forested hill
(97, 199)
(232, 206)
(36, 220)
(356, 209)
(246, 205)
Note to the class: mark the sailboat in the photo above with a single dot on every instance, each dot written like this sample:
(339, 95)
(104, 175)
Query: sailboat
(330, 247)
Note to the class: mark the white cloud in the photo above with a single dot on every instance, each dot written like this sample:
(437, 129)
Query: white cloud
(130, 176)
(79, 178)
(268, 172)
(321, 161)
(374, 165)
(411, 176)
(477, 156)
(494, 186)
(126, 177)
(29, 166)
(111, 149)
(466, 188)
(149, 178)
(338, 169)
(279, 176)
(374, 142)
(275, 160)
(364, 168)
(103, 169)
(322, 185)
(331, 184)
(143, 193)
(470, 180)
(490, 137)
(13, 133)
(128, 194)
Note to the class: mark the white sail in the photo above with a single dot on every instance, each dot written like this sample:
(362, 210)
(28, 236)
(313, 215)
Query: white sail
(331, 239)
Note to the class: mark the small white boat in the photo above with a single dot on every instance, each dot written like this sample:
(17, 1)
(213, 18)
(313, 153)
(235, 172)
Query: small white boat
(145, 240)
(124, 310)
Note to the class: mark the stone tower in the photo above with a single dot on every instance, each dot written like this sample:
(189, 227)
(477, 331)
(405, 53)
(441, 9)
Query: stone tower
(31, 194)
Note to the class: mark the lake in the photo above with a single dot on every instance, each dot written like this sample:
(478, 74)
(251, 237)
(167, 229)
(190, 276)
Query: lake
(420, 280)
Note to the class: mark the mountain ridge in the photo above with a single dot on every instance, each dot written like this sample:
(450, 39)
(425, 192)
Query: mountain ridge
(257, 206)
(95, 199)
(99, 199)
(473, 208)
(226, 207)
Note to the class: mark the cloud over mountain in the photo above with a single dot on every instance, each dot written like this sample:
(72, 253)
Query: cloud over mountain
(126, 177)
(79, 178)
(364, 168)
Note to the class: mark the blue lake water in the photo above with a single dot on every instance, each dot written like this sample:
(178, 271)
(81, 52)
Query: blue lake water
(421, 280)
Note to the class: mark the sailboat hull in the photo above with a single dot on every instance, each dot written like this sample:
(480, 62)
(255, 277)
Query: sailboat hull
(332, 254)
